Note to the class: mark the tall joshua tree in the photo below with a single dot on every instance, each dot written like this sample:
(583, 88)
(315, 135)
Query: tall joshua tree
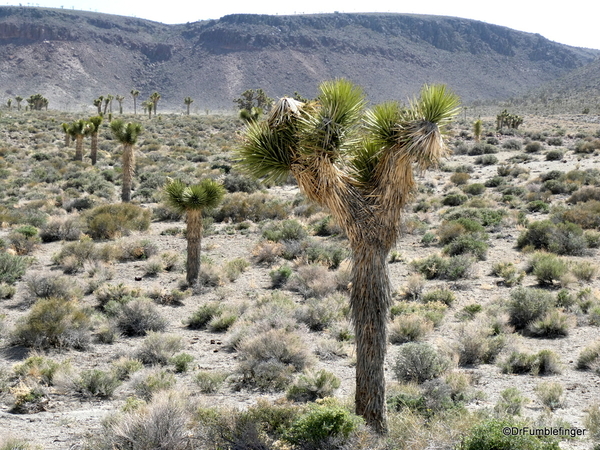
(154, 98)
(192, 200)
(98, 104)
(79, 129)
(18, 99)
(148, 107)
(120, 99)
(67, 129)
(127, 135)
(358, 164)
(134, 93)
(188, 101)
(95, 123)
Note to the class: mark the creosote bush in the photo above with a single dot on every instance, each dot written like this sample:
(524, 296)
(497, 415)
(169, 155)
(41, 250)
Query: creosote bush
(116, 220)
(419, 362)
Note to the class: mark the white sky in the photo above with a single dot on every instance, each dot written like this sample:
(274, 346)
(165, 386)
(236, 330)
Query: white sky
(571, 22)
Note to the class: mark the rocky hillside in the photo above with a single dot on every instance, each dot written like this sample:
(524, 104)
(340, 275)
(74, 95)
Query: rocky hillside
(71, 57)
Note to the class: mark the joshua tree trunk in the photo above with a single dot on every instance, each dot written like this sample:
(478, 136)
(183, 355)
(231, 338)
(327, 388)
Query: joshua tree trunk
(128, 167)
(370, 301)
(79, 147)
(94, 148)
(194, 240)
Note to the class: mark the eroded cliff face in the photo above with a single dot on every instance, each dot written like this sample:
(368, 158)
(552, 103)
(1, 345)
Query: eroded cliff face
(82, 55)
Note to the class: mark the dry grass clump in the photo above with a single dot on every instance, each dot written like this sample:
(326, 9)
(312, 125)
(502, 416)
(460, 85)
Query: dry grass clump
(269, 360)
(158, 348)
(409, 328)
(55, 322)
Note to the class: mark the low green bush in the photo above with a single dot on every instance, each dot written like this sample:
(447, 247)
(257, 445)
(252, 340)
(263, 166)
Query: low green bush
(419, 362)
(311, 386)
(116, 220)
(527, 305)
(12, 267)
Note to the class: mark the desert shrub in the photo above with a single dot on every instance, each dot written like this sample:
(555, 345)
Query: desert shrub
(538, 206)
(591, 421)
(209, 381)
(137, 250)
(486, 160)
(41, 369)
(454, 199)
(460, 178)
(527, 305)
(584, 194)
(550, 394)
(111, 221)
(561, 238)
(511, 402)
(584, 270)
(495, 182)
(510, 274)
(203, 315)
(554, 155)
(478, 344)
(61, 229)
(54, 322)
(8, 443)
(234, 268)
(313, 280)
(163, 423)
(444, 296)
(45, 286)
(29, 398)
(73, 255)
(223, 321)
(140, 316)
(585, 214)
(319, 314)
(449, 231)
(545, 362)
(181, 362)
(548, 268)
(286, 230)
(587, 145)
(158, 348)
(12, 267)
(444, 268)
(325, 426)
(24, 239)
(415, 284)
(235, 182)
(267, 251)
(311, 386)
(419, 362)
(487, 217)
(592, 238)
(474, 189)
(97, 383)
(512, 144)
(467, 244)
(433, 311)
(256, 207)
(124, 367)
(7, 291)
(533, 147)
(329, 254)
(280, 276)
(482, 148)
(553, 324)
(589, 358)
(408, 328)
(326, 226)
(267, 361)
(115, 293)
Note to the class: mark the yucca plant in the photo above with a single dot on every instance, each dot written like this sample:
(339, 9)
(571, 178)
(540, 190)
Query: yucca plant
(358, 164)
(95, 123)
(192, 200)
(78, 130)
(127, 135)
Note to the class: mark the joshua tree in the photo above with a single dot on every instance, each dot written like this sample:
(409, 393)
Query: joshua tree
(37, 102)
(188, 101)
(95, 123)
(477, 129)
(192, 200)
(359, 165)
(120, 99)
(148, 108)
(254, 98)
(126, 134)
(98, 104)
(9, 103)
(18, 99)
(79, 129)
(154, 98)
(108, 103)
(67, 129)
(134, 93)
(251, 116)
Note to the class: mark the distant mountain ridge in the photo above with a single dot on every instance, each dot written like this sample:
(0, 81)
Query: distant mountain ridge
(72, 57)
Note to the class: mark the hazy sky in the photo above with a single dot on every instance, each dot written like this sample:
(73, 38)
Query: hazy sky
(572, 22)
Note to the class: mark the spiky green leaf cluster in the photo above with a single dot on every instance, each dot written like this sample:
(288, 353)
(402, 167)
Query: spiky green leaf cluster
(205, 195)
(126, 133)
